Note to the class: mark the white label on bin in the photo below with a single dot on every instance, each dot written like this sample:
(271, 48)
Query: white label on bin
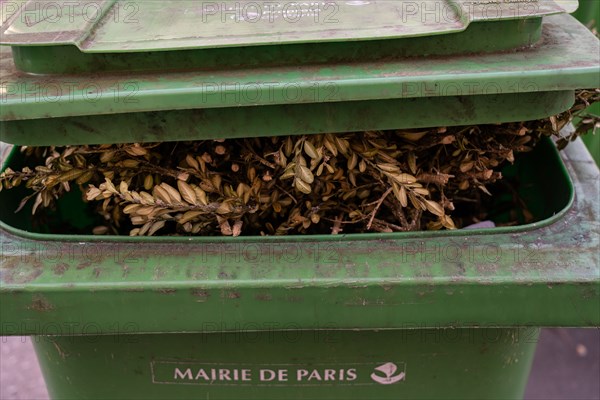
(196, 372)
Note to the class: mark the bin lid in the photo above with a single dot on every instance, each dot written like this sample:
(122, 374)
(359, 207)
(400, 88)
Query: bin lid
(63, 38)
(270, 101)
(135, 25)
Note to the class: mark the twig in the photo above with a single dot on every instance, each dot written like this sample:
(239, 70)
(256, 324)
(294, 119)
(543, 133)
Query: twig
(379, 202)
(288, 193)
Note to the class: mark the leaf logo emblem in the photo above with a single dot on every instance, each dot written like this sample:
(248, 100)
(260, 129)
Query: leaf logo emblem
(388, 370)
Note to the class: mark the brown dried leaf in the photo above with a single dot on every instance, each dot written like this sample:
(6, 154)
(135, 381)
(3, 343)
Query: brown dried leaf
(412, 136)
(352, 161)
(330, 145)
(187, 193)
(37, 203)
(100, 230)
(362, 166)
(155, 227)
(192, 162)
(466, 166)
(69, 175)
(305, 174)
(201, 195)
(434, 208)
(123, 187)
(342, 145)
(224, 208)
(148, 182)
(173, 193)
(92, 193)
(108, 185)
(161, 194)
(412, 162)
(310, 150)
(447, 222)
(145, 198)
(403, 178)
(389, 167)
(131, 208)
(136, 150)
(85, 177)
(189, 216)
(302, 186)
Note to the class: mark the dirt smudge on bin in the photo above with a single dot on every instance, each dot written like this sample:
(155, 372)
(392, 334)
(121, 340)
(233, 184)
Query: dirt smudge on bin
(228, 294)
(263, 297)
(59, 350)
(40, 303)
(84, 127)
(166, 291)
(84, 265)
(226, 275)
(202, 294)
(10, 263)
(11, 274)
(60, 268)
(588, 291)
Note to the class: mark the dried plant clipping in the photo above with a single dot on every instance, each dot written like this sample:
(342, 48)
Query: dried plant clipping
(376, 181)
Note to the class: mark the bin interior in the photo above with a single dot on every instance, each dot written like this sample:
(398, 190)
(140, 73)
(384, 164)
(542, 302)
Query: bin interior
(546, 194)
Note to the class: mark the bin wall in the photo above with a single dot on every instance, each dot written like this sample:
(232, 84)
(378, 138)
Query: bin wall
(415, 364)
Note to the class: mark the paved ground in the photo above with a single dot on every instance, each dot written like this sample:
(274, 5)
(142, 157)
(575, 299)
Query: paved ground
(20, 376)
(566, 367)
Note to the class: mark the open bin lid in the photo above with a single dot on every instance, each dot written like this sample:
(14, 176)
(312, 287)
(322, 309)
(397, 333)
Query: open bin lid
(334, 97)
(51, 37)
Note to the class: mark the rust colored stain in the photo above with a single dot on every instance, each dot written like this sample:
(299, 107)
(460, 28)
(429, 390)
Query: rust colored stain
(84, 127)
(59, 350)
(60, 269)
(84, 265)
(200, 293)
(41, 304)
(263, 297)
(231, 295)
(12, 275)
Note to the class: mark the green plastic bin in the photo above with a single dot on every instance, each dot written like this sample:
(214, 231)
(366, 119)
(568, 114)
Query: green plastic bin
(589, 14)
(376, 316)
(404, 315)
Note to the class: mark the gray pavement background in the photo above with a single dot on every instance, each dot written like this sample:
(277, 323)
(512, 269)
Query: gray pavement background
(566, 367)
(20, 375)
